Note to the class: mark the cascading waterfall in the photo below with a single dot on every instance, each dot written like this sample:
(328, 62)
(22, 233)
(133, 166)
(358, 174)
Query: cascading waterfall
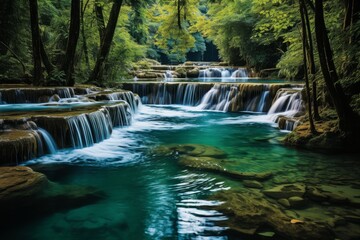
(288, 101)
(120, 114)
(49, 140)
(169, 93)
(276, 99)
(80, 131)
(127, 97)
(240, 73)
(287, 105)
(215, 73)
(168, 75)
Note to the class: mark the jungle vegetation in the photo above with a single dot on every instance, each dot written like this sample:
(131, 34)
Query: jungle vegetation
(62, 42)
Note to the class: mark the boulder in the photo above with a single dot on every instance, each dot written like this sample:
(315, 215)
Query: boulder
(193, 73)
(19, 183)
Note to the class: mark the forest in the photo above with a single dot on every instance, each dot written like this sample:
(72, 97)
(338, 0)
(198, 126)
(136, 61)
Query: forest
(187, 119)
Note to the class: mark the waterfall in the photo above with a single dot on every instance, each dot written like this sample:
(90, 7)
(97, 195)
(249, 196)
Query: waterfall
(211, 96)
(87, 129)
(263, 100)
(168, 75)
(170, 93)
(240, 73)
(40, 146)
(49, 140)
(287, 105)
(287, 100)
(215, 73)
(125, 96)
(120, 114)
(80, 131)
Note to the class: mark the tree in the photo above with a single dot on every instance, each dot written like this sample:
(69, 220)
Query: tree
(36, 42)
(348, 121)
(306, 53)
(74, 31)
(97, 73)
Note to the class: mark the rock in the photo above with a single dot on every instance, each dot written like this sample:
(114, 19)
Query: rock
(252, 184)
(286, 191)
(216, 166)
(19, 183)
(248, 213)
(17, 146)
(284, 202)
(193, 73)
(197, 150)
(334, 194)
(54, 98)
(266, 234)
(25, 194)
(296, 202)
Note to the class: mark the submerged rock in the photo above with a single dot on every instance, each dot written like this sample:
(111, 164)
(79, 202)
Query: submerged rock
(25, 194)
(206, 158)
(286, 191)
(248, 213)
(334, 194)
(195, 150)
(252, 184)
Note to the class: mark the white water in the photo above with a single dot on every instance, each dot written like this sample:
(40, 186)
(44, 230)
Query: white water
(49, 140)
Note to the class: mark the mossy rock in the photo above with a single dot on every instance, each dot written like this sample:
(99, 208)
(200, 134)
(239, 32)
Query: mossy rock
(248, 212)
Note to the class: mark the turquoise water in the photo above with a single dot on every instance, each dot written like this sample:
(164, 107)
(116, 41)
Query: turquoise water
(151, 197)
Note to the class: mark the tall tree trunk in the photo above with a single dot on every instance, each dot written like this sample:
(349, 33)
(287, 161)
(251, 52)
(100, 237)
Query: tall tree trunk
(45, 59)
(74, 31)
(305, 47)
(85, 48)
(100, 21)
(311, 61)
(347, 118)
(97, 73)
(36, 42)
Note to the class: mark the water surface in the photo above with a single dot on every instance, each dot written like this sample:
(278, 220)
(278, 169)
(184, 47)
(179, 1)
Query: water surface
(150, 197)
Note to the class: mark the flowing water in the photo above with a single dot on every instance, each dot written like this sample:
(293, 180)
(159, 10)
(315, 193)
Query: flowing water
(150, 197)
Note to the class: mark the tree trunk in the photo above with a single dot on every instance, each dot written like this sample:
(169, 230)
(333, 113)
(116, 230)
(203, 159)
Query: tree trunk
(68, 66)
(100, 21)
(85, 48)
(311, 62)
(97, 73)
(45, 59)
(305, 47)
(347, 118)
(36, 42)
